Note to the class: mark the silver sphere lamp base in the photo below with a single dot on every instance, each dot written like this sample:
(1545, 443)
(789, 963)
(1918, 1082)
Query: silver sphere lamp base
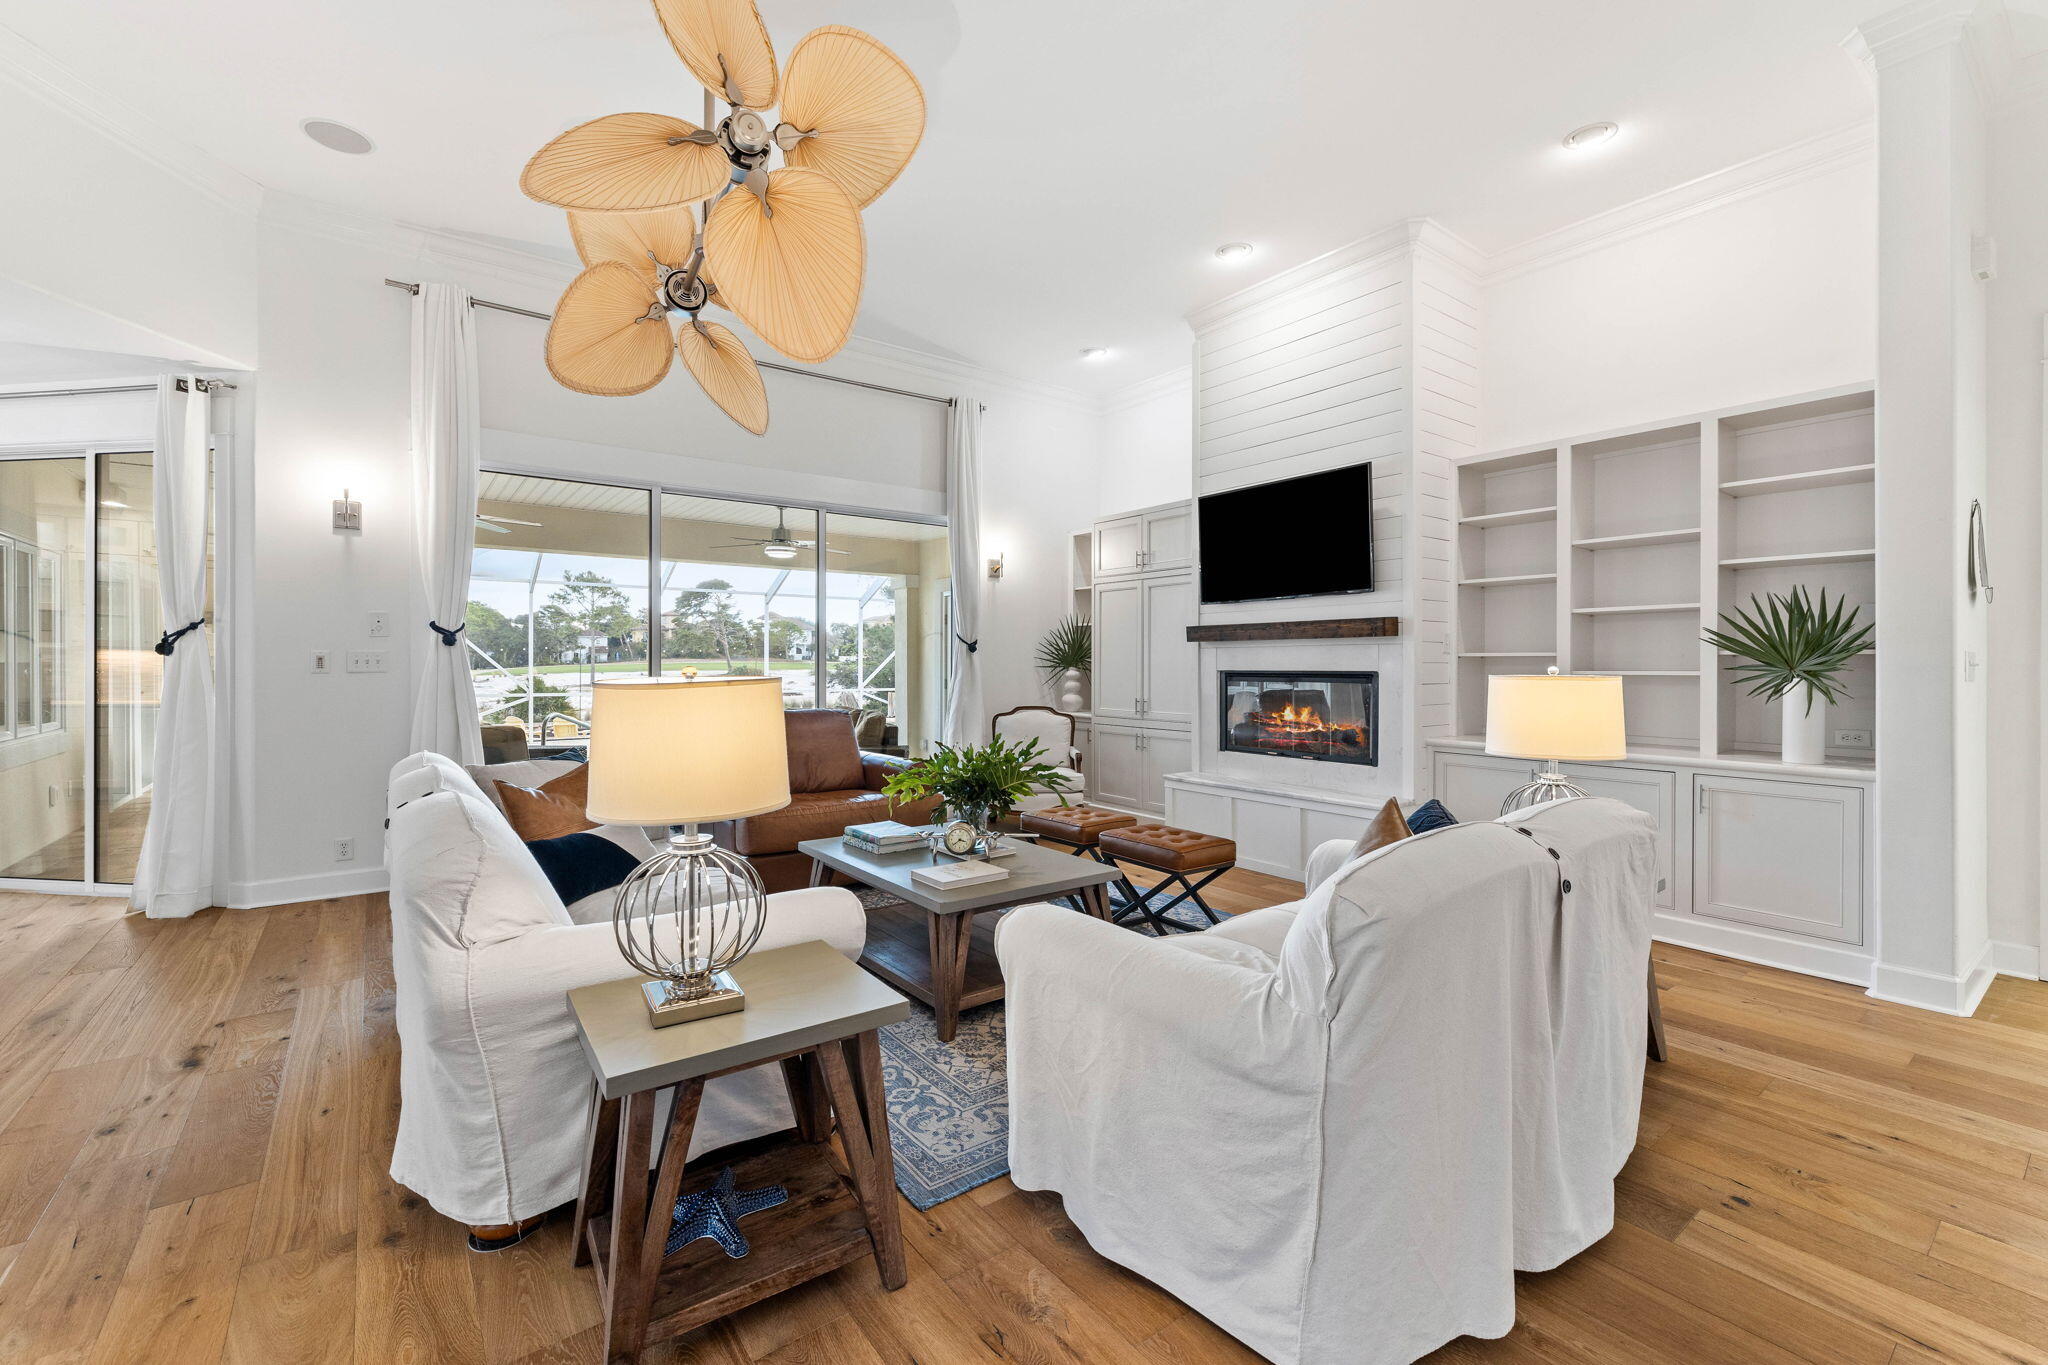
(1547, 784)
(684, 917)
(678, 1001)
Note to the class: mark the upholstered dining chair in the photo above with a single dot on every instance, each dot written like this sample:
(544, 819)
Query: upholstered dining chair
(1054, 731)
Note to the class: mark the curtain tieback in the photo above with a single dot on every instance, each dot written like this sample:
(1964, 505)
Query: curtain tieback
(447, 635)
(169, 642)
(972, 645)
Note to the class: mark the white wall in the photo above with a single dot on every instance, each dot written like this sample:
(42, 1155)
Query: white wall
(2018, 305)
(1148, 445)
(1773, 293)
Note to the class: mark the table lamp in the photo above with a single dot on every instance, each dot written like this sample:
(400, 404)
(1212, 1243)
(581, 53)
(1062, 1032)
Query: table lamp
(683, 752)
(1557, 717)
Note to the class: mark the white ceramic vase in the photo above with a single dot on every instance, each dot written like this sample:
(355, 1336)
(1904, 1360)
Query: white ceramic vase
(1805, 722)
(1070, 690)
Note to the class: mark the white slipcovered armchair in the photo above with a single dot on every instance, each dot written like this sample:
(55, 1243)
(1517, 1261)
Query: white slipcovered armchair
(1337, 1127)
(494, 1090)
(1054, 731)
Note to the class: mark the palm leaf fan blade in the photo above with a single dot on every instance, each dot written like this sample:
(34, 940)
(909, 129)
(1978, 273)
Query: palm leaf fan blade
(602, 340)
(793, 274)
(728, 375)
(625, 162)
(725, 45)
(635, 239)
(860, 106)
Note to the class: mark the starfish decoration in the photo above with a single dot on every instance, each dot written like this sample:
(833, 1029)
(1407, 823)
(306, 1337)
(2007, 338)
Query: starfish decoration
(716, 1212)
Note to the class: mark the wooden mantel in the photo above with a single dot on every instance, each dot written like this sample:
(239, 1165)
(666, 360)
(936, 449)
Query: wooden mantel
(1350, 628)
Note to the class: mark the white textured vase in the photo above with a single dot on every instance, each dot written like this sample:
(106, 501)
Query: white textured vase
(1805, 726)
(1070, 690)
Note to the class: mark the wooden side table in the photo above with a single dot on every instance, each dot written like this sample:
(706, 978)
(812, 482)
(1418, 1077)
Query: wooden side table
(814, 1014)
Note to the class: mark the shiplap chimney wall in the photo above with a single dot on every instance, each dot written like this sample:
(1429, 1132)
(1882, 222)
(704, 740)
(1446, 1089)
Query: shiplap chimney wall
(1368, 353)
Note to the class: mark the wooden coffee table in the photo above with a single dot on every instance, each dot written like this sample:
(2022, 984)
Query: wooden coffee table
(931, 946)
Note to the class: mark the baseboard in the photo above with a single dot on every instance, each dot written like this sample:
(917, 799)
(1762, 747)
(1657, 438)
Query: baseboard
(2016, 959)
(1958, 995)
(360, 881)
(1764, 949)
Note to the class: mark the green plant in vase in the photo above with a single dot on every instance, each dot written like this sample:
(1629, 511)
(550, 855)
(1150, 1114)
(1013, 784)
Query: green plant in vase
(1067, 654)
(980, 783)
(1794, 651)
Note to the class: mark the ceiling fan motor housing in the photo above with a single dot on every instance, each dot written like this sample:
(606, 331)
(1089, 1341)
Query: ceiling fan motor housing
(746, 137)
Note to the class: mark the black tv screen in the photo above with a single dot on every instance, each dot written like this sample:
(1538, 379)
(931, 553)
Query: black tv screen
(1302, 537)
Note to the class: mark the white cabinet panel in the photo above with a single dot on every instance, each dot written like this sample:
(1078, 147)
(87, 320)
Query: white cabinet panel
(1779, 855)
(1165, 752)
(1472, 786)
(1119, 629)
(1119, 767)
(1169, 675)
(1169, 537)
(1268, 835)
(1117, 546)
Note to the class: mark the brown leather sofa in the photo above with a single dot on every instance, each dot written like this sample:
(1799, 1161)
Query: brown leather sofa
(832, 784)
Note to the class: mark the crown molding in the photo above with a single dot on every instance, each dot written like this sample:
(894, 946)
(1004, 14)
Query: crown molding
(1981, 29)
(1162, 385)
(27, 66)
(1816, 156)
(1386, 243)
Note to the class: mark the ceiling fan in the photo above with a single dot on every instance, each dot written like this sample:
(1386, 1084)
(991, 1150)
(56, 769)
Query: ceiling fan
(500, 525)
(781, 545)
(669, 217)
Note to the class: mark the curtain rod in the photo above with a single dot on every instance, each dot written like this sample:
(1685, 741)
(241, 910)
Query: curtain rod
(413, 288)
(206, 385)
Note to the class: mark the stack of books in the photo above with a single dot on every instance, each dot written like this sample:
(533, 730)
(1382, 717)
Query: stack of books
(885, 836)
(948, 875)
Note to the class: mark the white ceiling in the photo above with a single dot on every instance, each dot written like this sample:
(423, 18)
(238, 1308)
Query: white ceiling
(1084, 157)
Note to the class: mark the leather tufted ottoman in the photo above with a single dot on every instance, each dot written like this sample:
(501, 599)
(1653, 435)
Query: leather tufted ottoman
(1186, 860)
(1078, 827)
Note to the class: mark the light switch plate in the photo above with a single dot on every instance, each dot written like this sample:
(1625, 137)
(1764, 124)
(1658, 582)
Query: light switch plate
(366, 661)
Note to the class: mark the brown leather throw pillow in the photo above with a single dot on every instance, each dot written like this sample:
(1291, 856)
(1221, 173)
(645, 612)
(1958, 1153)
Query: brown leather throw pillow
(1388, 827)
(551, 810)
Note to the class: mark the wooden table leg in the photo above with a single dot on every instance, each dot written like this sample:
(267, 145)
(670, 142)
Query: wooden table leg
(950, 937)
(668, 1185)
(1658, 1052)
(602, 1140)
(821, 874)
(1095, 900)
(805, 1082)
(864, 1136)
(626, 1293)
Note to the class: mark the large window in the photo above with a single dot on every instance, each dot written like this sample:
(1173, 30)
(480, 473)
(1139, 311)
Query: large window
(560, 593)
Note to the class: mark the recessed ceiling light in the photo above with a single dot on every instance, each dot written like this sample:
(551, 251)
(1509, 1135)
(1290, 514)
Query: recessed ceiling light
(1095, 353)
(336, 137)
(1230, 253)
(1592, 135)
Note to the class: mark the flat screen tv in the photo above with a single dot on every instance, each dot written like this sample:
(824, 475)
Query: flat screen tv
(1308, 536)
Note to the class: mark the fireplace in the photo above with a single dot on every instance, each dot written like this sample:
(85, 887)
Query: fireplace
(1322, 717)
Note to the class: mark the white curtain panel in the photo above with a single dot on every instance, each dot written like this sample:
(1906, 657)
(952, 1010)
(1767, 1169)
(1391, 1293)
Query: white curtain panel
(966, 722)
(174, 873)
(446, 437)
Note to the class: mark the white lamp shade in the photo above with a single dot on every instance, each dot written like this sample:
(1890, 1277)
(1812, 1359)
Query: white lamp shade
(670, 751)
(1561, 716)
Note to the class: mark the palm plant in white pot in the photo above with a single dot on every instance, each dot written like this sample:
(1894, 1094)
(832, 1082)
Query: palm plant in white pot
(1794, 652)
(1065, 655)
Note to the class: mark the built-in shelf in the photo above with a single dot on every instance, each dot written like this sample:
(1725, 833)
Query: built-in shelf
(1792, 483)
(1643, 609)
(1518, 518)
(1791, 561)
(1639, 538)
(1509, 654)
(1507, 580)
(1648, 672)
(1729, 653)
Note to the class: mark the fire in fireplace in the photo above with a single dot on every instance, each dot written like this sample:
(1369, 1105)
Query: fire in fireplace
(1323, 717)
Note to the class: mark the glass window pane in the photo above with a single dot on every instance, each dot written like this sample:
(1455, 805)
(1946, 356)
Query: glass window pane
(557, 596)
(129, 672)
(885, 584)
(739, 591)
(44, 715)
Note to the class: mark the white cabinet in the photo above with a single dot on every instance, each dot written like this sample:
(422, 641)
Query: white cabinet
(1777, 855)
(1129, 766)
(1118, 676)
(1168, 674)
(1155, 540)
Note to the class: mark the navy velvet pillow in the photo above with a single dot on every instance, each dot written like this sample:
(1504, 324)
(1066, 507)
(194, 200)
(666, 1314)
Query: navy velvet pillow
(1428, 816)
(582, 864)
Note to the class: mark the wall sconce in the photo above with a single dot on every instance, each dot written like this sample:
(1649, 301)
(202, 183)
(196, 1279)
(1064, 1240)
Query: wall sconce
(995, 567)
(348, 514)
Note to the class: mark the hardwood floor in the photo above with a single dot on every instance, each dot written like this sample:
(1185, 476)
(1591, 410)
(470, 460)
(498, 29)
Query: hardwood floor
(195, 1118)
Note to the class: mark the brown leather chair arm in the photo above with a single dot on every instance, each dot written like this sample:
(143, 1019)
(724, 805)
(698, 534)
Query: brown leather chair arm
(875, 769)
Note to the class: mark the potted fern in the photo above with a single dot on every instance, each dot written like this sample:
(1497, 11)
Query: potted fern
(1794, 652)
(979, 783)
(1066, 654)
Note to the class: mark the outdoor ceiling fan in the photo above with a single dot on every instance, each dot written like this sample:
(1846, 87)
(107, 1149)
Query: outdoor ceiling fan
(781, 545)
(500, 525)
(660, 230)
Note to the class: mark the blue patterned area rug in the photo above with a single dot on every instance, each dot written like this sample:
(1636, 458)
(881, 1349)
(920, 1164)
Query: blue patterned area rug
(949, 1103)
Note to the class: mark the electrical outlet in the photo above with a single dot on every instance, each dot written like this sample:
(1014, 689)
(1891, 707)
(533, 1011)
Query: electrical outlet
(366, 661)
(1852, 739)
(322, 662)
(380, 625)
(344, 850)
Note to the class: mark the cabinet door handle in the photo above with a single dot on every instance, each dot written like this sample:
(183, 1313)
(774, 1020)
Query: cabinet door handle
(1702, 807)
